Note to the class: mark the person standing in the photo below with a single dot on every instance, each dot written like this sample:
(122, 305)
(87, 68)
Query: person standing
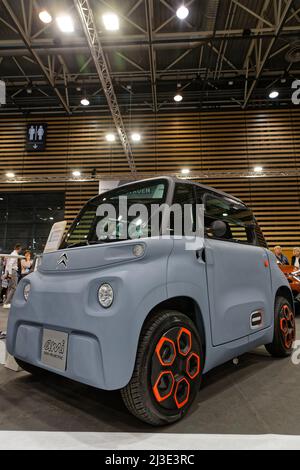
(281, 258)
(296, 258)
(11, 272)
(26, 263)
(3, 282)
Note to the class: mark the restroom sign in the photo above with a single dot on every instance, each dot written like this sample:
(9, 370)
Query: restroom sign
(36, 137)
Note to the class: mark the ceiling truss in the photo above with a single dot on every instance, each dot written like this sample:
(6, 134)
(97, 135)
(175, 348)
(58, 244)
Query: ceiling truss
(202, 175)
(154, 56)
(88, 23)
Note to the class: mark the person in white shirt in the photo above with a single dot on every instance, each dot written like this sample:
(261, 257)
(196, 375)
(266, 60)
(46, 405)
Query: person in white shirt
(11, 273)
(296, 258)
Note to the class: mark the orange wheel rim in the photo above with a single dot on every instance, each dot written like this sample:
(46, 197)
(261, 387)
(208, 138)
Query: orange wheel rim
(176, 366)
(287, 326)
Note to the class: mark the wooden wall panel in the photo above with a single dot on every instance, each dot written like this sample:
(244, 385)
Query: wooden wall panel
(201, 141)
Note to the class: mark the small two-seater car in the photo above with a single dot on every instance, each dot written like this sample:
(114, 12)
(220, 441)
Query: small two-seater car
(116, 308)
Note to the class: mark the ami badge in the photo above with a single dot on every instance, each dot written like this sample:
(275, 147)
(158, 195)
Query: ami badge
(36, 137)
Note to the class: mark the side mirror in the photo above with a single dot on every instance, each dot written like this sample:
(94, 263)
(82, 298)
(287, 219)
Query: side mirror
(218, 228)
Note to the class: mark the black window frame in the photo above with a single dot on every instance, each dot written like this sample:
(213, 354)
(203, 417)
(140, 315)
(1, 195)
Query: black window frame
(235, 241)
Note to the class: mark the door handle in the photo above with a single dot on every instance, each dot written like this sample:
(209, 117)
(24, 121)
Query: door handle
(200, 255)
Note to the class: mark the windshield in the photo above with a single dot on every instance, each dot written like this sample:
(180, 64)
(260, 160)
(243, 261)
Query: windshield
(117, 215)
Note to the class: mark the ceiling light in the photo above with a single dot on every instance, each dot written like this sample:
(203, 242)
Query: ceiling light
(136, 137)
(178, 98)
(76, 173)
(182, 12)
(110, 137)
(274, 94)
(45, 17)
(258, 169)
(110, 21)
(85, 102)
(10, 174)
(65, 23)
(185, 171)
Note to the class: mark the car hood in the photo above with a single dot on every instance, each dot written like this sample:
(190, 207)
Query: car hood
(97, 256)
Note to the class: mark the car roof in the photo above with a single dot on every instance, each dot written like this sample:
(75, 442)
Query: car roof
(181, 180)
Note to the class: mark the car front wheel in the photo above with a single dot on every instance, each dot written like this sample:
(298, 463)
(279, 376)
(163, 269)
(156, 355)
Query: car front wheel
(168, 369)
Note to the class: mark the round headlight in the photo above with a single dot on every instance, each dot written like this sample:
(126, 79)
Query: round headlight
(105, 295)
(26, 291)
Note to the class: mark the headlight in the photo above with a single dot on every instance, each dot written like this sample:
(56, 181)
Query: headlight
(105, 295)
(26, 291)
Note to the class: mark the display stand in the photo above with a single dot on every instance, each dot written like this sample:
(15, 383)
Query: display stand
(11, 363)
(6, 359)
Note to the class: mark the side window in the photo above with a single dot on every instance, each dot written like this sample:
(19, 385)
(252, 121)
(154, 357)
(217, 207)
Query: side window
(184, 194)
(200, 193)
(237, 217)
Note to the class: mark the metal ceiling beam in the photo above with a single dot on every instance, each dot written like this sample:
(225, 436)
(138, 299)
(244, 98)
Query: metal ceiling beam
(92, 78)
(258, 25)
(90, 30)
(253, 13)
(178, 59)
(130, 61)
(152, 55)
(123, 17)
(27, 43)
(197, 175)
(163, 2)
(46, 46)
(261, 64)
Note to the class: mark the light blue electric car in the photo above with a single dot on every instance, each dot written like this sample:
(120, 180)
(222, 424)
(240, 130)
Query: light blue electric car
(116, 308)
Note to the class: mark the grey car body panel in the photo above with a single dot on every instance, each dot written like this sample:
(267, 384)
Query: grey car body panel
(103, 342)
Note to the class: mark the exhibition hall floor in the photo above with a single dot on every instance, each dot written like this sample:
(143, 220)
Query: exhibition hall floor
(259, 396)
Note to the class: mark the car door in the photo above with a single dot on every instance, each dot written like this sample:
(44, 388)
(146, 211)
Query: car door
(238, 274)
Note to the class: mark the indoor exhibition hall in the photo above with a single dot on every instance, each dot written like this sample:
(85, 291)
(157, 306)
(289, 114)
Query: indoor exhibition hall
(149, 227)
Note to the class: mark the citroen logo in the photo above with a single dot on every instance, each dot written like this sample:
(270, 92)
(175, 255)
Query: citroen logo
(63, 260)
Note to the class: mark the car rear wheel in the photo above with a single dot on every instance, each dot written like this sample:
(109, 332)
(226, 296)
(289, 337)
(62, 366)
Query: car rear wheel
(168, 369)
(284, 329)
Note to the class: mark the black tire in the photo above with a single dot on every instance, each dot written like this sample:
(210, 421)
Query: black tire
(284, 329)
(166, 377)
(33, 370)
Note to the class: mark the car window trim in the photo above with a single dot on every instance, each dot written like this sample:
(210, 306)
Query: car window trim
(235, 241)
